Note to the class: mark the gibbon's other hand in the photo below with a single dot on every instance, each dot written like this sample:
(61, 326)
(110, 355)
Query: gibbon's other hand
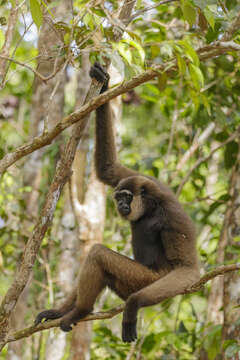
(97, 72)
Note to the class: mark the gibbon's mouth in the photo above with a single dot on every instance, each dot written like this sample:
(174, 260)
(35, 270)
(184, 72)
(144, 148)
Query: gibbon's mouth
(124, 211)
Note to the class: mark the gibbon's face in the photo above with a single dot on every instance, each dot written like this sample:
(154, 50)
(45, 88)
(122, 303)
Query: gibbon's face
(129, 206)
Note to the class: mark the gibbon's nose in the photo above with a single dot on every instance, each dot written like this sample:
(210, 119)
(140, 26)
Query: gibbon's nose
(123, 208)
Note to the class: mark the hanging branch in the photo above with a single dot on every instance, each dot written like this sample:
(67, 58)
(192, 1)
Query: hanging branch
(221, 270)
(205, 53)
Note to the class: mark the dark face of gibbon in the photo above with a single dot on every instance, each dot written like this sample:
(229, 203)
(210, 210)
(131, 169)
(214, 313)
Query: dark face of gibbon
(129, 198)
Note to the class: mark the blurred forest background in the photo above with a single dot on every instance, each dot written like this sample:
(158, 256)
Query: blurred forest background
(181, 126)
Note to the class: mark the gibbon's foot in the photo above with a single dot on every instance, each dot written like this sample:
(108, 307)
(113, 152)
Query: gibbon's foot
(72, 318)
(47, 315)
(129, 331)
(98, 72)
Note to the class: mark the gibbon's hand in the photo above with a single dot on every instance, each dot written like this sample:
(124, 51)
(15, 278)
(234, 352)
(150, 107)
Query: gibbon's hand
(99, 73)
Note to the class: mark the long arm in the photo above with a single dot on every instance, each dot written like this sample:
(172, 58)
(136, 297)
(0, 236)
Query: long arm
(108, 169)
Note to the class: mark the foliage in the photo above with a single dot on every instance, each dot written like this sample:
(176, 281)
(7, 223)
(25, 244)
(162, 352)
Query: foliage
(162, 122)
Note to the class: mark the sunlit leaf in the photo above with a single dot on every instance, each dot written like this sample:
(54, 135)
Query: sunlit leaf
(36, 13)
(137, 46)
(162, 81)
(209, 16)
(197, 76)
(189, 52)
(189, 13)
(181, 64)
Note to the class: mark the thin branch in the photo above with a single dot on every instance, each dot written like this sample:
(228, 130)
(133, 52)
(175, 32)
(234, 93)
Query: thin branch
(235, 26)
(140, 12)
(206, 158)
(115, 311)
(40, 76)
(196, 144)
(169, 68)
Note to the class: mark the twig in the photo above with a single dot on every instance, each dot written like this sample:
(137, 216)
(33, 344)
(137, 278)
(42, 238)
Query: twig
(205, 158)
(115, 311)
(232, 28)
(47, 138)
(140, 12)
(200, 140)
(14, 52)
(40, 76)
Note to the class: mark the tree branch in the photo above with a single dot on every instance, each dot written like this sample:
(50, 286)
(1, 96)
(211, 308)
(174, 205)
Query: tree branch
(205, 53)
(36, 73)
(205, 158)
(221, 270)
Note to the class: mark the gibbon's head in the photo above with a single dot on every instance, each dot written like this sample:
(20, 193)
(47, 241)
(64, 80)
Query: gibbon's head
(131, 197)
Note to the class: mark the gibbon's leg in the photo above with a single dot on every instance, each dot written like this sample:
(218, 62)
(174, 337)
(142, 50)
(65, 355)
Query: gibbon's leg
(170, 285)
(58, 313)
(104, 267)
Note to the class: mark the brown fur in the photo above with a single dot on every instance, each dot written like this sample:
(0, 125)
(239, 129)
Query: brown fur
(163, 240)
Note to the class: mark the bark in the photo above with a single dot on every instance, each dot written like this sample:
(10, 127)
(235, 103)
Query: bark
(66, 273)
(91, 217)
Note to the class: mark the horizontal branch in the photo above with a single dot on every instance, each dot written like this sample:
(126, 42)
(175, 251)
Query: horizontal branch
(207, 52)
(115, 311)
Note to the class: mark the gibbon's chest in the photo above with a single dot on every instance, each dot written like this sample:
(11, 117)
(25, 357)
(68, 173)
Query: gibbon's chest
(147, 245)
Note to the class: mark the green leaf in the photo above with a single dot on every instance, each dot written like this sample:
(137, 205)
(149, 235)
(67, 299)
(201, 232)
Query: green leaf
(36, 13)
(181, 64)
(2, 38)
(190, 52)
(196, 76)
(162, 81)
(166, 50)
(88, 21)
(125, 52)
(189, 13)
(209, 16)
(98, 11)
(137, 46)
(230, 154)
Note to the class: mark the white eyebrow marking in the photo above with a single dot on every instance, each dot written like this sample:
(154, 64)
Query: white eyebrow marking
(124, 191)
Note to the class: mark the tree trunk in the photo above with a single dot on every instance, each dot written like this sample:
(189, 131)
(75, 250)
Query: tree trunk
(231, 325)
(46, 101)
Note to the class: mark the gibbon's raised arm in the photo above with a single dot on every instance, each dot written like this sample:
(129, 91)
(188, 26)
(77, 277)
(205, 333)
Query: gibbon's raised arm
(108, 169)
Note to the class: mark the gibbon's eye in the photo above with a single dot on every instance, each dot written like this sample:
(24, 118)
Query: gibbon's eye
(143, 191)
(129, 197)
(116, 196)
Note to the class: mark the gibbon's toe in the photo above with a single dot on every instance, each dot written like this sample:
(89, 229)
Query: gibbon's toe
(47, 315)
(129, 331)
(65, 326)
